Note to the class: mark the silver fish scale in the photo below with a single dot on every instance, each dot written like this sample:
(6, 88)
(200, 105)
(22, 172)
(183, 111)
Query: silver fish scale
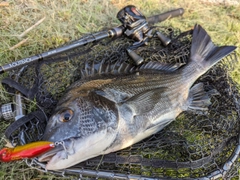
(169, 101)
(165, 105)
(105, 111)
(132, 86)
(87, 124)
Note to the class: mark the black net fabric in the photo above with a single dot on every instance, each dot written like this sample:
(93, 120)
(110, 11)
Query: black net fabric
(194, 146)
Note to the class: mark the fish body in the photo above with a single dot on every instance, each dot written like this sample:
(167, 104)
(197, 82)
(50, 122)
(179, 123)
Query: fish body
(103, 112)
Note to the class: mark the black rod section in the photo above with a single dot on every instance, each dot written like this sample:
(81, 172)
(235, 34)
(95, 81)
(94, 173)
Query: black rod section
(76, 44)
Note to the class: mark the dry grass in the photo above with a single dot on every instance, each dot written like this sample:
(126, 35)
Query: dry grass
(64, 20)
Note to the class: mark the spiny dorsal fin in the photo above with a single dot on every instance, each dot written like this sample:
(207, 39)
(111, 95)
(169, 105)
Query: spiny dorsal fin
(97, 69)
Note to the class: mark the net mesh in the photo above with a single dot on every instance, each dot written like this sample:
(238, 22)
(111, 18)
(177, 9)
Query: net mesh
(194, 146)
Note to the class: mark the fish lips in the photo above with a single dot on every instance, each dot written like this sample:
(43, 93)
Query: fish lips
(48, 155)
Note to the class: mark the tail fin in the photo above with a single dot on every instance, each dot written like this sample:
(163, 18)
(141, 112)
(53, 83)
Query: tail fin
(204, 52)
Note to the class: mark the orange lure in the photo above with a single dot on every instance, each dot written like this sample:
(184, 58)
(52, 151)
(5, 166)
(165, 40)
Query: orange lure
(26, 151)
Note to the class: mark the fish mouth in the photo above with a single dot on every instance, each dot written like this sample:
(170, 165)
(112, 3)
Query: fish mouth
(48, 155)
(61, 150)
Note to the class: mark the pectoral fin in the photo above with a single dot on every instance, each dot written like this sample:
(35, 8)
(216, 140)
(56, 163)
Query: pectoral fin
(145, 101)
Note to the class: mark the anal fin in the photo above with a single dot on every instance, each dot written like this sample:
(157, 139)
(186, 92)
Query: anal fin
(199, 99)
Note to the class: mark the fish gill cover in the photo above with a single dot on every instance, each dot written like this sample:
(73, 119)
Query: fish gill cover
(194, 146)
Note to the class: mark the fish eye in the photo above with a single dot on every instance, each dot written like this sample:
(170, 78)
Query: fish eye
(66, 115)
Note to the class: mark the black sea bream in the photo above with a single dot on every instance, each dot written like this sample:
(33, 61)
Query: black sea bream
(104, 112)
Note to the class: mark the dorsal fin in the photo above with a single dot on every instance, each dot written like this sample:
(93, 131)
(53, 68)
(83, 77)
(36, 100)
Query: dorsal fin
(98, 69)
(166, 67)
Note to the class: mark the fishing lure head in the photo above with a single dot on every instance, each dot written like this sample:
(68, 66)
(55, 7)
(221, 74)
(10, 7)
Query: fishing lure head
(5, 154)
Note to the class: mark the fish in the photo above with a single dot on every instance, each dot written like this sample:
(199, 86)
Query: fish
(116, 105)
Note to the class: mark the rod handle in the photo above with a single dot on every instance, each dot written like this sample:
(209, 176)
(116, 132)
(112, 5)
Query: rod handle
(162, 17)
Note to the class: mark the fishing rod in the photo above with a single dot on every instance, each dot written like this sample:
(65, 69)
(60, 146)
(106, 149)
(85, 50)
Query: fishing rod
(134, 25)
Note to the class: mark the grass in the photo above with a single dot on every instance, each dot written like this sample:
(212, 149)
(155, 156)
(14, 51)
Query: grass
(68, 20)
